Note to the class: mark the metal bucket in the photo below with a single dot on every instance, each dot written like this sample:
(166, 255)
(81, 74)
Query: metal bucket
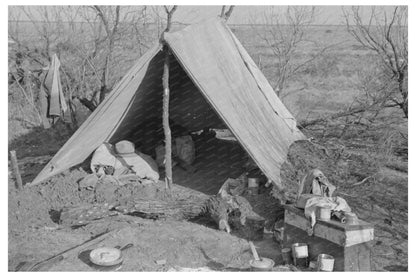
(325, 262)
(299, 250)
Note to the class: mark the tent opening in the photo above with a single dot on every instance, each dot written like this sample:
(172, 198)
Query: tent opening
(189, 113)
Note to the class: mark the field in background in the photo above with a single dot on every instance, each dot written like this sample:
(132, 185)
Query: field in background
(327, 84)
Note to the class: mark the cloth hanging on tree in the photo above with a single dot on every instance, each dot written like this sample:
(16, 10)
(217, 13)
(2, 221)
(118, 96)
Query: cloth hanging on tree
(52, 98)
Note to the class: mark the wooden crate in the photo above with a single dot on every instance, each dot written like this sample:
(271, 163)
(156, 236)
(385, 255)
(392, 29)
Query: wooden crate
(350, 245)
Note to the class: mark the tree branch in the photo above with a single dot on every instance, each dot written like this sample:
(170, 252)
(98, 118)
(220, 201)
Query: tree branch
(228, 13)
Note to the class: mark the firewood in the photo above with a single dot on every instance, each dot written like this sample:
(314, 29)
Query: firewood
(218, 209)
(147, 201)
(230, 209)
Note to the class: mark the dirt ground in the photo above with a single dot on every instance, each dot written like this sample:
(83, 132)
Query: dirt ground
(172, 245)
(34, 232)
(158, 245)
(180, 244)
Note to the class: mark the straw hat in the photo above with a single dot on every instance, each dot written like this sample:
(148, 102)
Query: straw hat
(125, 148)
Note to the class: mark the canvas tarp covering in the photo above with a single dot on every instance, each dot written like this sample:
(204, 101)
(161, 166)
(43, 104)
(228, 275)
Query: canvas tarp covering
(213, 82)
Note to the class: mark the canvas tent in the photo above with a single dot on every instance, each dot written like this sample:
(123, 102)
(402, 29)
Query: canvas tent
(213, 82)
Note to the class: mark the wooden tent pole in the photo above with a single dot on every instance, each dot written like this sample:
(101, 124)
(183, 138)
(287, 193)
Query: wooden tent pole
(166, 95)
(166, 127)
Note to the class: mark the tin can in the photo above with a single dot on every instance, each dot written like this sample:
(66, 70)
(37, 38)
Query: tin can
(324, 214)
(253, 182)
(300, 250)
(325, 262)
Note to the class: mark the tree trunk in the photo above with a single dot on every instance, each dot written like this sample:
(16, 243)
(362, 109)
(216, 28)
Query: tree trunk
(405, 109)
(404, 93)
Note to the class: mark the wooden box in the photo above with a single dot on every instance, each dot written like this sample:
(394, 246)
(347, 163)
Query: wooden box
(350, 245)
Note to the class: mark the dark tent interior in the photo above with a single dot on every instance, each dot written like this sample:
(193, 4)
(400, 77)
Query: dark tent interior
(189, 112)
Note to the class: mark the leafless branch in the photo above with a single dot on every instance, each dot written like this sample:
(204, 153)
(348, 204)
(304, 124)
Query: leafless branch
(386, 35)
(226, 14)
(284, 33)
(169, 16)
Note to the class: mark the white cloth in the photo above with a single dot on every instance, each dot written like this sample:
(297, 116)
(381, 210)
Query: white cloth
(57, 103)
(333, 203)
(142, 165)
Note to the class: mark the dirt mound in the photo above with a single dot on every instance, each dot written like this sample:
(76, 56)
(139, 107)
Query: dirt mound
(158, 246)
(35, 206)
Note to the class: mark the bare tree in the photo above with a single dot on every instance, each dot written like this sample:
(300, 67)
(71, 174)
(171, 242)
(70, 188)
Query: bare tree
(283, 33)
(226, 14)
(108, 28)
(141, 24)
(385, 34)
(89, 40)
(40, 34)
(383, 84)
(110, 19)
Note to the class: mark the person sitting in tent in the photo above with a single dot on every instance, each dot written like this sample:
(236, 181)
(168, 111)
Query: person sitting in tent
(123, 159)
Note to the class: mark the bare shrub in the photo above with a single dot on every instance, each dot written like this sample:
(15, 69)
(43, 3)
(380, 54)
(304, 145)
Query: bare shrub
(284, 32)
(89, 41)
(385, 34)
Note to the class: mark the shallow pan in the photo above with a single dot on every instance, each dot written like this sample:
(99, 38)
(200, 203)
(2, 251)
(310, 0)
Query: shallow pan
(108, 256)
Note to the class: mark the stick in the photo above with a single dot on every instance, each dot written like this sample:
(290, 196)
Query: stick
(15, 166)
(254, 251)
(362, 181)
(166, 128)
(166, 92)
(59, 257)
